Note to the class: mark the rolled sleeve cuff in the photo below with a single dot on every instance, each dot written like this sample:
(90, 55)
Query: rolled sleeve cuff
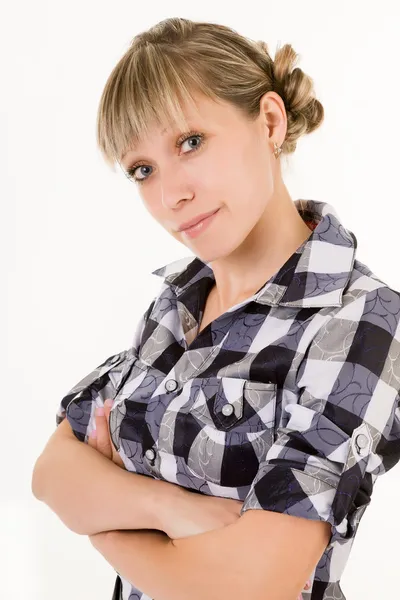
(315, 489)
(79, 403)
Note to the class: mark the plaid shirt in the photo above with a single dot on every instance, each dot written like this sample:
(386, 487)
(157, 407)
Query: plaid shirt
(289, 401)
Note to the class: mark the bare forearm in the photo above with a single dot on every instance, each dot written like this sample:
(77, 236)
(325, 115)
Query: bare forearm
(150, 561)
(91, 494)
(145, 558)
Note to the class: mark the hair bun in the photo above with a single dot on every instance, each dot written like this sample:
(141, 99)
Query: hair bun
(304, 112)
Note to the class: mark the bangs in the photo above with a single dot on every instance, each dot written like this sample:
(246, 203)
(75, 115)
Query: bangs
(147, 88)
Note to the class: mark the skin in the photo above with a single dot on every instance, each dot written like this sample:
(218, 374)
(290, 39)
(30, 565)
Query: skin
(234, 168)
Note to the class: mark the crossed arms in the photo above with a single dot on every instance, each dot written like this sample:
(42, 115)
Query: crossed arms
(263, 555)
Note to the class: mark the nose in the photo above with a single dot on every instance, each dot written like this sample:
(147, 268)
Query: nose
(174, 187)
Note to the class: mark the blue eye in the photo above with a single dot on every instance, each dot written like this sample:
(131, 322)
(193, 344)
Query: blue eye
(130, 172)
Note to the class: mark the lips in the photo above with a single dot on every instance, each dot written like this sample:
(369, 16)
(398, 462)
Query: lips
(196, 220)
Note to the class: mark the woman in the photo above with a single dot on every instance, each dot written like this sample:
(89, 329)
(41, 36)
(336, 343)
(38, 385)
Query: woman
(264, 374)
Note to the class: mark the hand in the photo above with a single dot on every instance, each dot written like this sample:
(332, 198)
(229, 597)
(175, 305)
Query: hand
(101, 441)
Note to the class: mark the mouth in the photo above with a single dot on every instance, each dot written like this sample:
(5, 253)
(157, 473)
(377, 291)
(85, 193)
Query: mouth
(201, 225)
(194, 222)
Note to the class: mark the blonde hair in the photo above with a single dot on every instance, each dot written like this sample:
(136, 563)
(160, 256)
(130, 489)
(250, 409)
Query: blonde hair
(176, 57)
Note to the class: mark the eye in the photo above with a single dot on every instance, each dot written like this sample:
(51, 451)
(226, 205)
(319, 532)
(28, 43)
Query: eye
(131, 171)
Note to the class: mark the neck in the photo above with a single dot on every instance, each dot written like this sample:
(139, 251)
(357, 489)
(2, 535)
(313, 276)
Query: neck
(277, 235)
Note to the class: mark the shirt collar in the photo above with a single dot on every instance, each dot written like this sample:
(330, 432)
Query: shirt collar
(315, 275)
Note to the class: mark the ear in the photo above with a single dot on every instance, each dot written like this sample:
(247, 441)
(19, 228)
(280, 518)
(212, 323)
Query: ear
(274, 117)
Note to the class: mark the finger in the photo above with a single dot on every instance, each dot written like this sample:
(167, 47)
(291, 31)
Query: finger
(103, 438)
(115, 456)
(92, 439)
(107, 409)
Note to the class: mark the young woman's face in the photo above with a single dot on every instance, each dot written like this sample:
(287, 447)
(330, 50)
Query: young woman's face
(225, 165)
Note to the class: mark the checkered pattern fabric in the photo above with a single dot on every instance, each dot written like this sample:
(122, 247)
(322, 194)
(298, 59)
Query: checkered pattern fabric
(289, 401)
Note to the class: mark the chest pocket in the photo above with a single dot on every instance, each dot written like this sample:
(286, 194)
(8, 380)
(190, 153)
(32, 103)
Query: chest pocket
(230, 429)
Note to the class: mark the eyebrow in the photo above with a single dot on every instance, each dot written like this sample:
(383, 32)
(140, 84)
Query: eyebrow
(135, 149)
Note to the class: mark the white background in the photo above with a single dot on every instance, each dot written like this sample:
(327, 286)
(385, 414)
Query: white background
(78, 246)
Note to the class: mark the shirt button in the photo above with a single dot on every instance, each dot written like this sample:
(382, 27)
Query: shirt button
(227, 409)
(171, 385)
(150, 454)
(362, 441)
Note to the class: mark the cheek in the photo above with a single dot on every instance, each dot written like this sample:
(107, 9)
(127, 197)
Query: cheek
(248, 201)
(244, 170)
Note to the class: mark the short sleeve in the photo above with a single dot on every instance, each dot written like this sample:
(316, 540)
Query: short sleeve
(340, 430)
(79, 403)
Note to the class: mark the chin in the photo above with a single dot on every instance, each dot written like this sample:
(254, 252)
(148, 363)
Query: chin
(212, 252)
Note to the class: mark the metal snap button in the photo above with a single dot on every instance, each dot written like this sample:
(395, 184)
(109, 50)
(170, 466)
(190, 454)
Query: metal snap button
(150, 454)
(362, 441)
(171, 385)
(227, 409)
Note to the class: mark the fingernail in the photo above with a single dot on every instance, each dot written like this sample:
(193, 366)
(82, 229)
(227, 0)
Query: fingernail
(93, 433)
(109, 402)
(99, 411)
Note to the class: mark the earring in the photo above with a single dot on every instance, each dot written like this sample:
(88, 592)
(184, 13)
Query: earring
(277, 150)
